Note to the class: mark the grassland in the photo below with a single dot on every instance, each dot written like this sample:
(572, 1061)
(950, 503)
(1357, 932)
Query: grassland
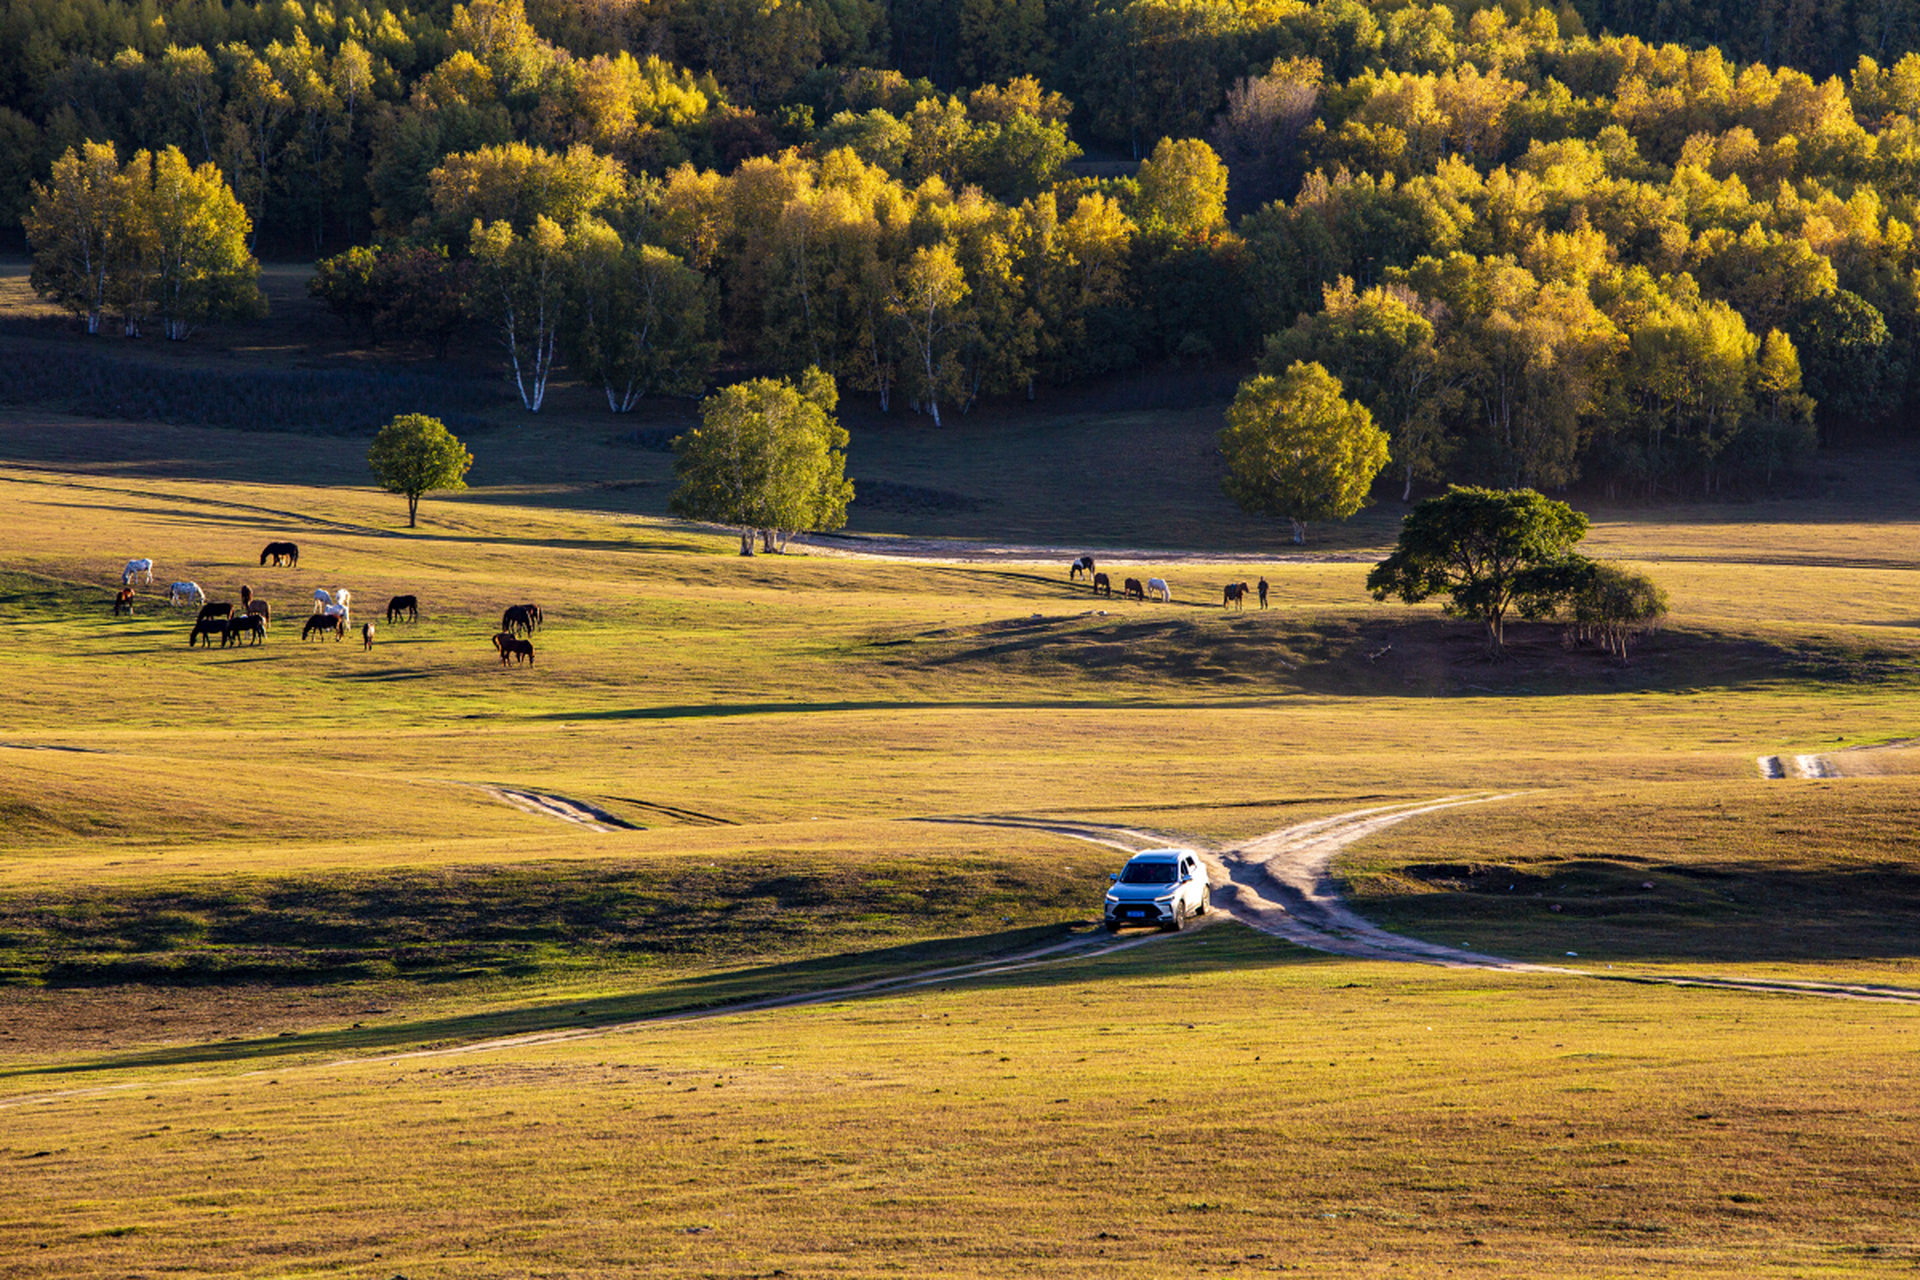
(237, 887)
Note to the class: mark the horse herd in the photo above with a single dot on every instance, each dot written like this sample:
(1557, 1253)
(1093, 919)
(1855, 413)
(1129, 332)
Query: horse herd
(332, 611)
(1235, 596)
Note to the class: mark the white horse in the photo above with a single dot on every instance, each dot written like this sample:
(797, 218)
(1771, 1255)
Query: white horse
(1158, 587)
(321, 600)
(339, 611)
(134, 569)
(342, 598)
(186, 593)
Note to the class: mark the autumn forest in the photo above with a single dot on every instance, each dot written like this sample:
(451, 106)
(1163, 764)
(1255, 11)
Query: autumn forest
(1659, 250)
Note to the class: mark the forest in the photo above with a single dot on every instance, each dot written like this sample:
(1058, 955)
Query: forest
(1658, 250)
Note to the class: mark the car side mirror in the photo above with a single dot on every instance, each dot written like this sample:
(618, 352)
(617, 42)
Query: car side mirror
(1114, 876)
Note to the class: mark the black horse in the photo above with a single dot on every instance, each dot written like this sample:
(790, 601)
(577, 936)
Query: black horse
(1103, 585)
(249, 624)
(323, 623)
(223, 609)
(409, 605)
(282, 551)
(209, 628)
(517, 620)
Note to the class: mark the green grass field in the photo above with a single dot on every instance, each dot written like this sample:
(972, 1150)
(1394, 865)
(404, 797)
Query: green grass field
(238, 888)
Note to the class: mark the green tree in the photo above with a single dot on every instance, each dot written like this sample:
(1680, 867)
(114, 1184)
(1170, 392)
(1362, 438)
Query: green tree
(1296, 447)
(767, 457)
(75, 227)
(926, 303)
(415, 454)
(1610, 604)
(523, 291)
(639, 321)
(1488, 550)
(1183, 188)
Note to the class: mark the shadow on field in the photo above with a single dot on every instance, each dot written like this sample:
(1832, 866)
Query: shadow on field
(1219, 949)
(1729, 912)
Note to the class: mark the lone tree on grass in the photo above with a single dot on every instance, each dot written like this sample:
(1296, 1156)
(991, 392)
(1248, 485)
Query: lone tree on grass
(415, 454)
(1296, 447)
(767, 458)
(1490, 551)
(1611, 605)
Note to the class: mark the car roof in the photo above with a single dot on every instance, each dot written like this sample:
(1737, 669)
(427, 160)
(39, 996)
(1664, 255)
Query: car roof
(1160, 855)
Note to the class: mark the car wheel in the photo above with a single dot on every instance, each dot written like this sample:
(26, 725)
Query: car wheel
(1206, 901)
(1179, 920)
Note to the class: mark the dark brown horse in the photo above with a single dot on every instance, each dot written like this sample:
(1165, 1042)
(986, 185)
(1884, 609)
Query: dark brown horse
(249, 624)
(123, 603)
(510, 647)
(323, 623)
(209, 628)
(1235, 597)
(1103, 585)
(1133, 590)
(223, 609)
(408, 605)
(516, 620)
(533, 613)
(282, 551)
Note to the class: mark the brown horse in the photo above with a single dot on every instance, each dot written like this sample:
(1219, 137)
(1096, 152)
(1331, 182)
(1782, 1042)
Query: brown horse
(123, 603)
(282, 551)
(516, 619)
(1103, 585)
(209, 628)
(323, 623)
(512, 647)
(366, 636)
(262, 610)
(224, 609)
(1133, 590)
(1235, 597)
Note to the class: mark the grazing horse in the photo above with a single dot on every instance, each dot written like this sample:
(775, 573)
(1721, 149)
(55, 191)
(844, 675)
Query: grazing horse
(1158, 586)
(123, 603)
(247, 624)
(223, 609)
(510, 646)
(1103, 585)
(142, 569)
(516, 619)
(1235, 597)
(323, 623)
(321, 598)
(1263, 593)
(282, 551)
(409, 605)
(534, 615)
(366, 635)
(1133, 590)
(208, 627)
(1083, 565)
(182, 592)
(262, 610)
(246, 597)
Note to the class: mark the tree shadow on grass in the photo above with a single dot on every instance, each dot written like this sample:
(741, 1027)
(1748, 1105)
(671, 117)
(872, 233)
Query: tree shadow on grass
(837, 978)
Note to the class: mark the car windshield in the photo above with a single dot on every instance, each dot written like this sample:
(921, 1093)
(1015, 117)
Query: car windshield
(1147, 873)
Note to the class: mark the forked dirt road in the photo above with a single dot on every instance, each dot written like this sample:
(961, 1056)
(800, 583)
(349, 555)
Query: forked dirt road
(1280, 884)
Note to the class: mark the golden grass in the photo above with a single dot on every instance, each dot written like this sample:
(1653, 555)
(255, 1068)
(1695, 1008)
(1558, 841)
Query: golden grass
(818, 707)
(1221, 1102)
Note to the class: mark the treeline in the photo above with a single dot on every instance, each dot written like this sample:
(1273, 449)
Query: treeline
(1534, 255)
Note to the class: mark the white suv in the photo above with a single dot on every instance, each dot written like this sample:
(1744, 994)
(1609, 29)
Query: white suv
(1160, 887)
